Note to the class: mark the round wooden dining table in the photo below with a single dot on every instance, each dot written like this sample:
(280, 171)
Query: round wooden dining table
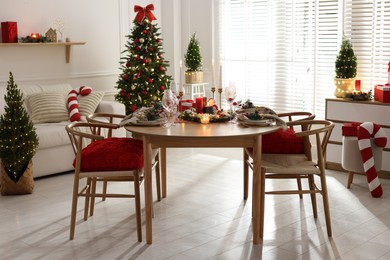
(196, 135)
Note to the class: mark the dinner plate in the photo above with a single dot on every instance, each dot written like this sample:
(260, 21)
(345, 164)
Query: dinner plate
(248, 122)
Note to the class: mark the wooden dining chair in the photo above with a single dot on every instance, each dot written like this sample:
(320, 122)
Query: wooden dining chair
(109, 159)
(282, 141)
(114, 120)
(292, 166)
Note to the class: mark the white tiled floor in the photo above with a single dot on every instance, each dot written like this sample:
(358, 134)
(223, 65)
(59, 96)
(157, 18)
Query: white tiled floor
(204, 217)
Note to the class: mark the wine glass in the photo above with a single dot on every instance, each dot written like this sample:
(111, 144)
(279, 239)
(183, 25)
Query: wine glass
(230, 96)
(170, 102)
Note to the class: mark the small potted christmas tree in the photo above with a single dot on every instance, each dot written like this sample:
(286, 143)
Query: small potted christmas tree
(346, 66)
(193, 62)
(18, 143)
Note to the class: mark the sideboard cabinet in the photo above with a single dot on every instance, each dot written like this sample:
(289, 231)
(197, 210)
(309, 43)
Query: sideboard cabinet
(341, 111)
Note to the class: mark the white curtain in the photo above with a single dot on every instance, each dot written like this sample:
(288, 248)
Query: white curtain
(281, 53)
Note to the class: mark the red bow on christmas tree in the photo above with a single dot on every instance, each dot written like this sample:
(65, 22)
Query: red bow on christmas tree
(142, 12)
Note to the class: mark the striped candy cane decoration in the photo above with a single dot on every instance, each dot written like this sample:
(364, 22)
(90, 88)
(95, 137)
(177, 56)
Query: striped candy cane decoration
(365, 132)
(73, 105)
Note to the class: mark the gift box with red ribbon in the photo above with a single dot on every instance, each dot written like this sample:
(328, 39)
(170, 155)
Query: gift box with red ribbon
(350, 129)
(186, 104)
(382, 93)
(9, 32)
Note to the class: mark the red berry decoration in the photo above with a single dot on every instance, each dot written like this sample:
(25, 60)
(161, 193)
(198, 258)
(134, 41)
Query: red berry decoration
(138, 57)
(125, 77)
(146, 60)
(138, 74)
(162, 88)
(151, 49)
(121, 93)
(161, 68)
(158, 40)
(143, 92)
(133, 108)
(144, 31)
(135, 40)
(150, 81)
(137, 48)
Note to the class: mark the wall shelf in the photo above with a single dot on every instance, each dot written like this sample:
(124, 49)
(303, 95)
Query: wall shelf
(41, 44)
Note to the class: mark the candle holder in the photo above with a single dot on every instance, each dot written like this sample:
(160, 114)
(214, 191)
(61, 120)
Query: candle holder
(205, 118)
(220, 97)
(213, 90)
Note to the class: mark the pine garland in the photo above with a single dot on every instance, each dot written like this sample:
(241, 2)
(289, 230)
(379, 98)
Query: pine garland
(18, 139)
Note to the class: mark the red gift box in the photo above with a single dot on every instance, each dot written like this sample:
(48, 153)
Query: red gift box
(350, 129)
(186, 104)
(9, 32)
(382, 93)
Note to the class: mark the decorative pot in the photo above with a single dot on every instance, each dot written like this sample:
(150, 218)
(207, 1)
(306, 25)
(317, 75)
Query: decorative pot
(343, 86)
(193, 77)
(25, 185)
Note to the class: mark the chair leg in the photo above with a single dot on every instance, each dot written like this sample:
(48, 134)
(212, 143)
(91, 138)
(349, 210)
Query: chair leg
(350, 179)
(138, 204)
(313, 195)
(158, 182)
(74, 207)
(92, 205)
(87, 198)
(326, 204)
(104, 190)
(246, 174)
(299, 183)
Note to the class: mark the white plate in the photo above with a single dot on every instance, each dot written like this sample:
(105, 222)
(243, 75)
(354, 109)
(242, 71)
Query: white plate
(248, 122)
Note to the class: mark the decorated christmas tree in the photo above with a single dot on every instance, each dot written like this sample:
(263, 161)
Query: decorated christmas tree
(193, 58)
(18, 139)
(143, 78)
(346, 61)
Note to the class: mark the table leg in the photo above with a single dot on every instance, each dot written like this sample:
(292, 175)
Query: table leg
(256, 198)
(148, 187)
(163, 161)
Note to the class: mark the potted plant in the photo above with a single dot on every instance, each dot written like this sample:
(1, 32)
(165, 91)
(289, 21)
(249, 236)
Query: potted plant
(193, 62)
(18, 143)
(346, 66)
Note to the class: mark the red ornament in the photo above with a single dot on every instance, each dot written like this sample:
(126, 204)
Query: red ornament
(135, 40)
(138, 57)
(146, 60)
(143, 92)
(125, 77)
(161, 68)
(144, 31)
(133, 108)
(128, 95)
(162, 88)
(138, 74)
(121, 93)
(150, 81)
(158, 40)
(128, 64)
(151, 49)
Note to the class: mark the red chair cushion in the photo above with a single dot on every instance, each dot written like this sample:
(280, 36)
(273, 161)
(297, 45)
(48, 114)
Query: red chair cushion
(112, 154)
(282, 142)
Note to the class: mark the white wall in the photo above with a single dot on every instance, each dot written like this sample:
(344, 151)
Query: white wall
(103, 25)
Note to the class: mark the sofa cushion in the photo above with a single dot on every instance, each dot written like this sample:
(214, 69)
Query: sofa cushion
(88, 104)
(52, 134)
(48, 107)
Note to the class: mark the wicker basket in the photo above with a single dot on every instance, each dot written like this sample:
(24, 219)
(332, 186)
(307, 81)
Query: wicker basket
(193, 77)
(25, 185)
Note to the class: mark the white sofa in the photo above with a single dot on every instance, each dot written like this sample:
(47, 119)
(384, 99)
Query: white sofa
(55, 154)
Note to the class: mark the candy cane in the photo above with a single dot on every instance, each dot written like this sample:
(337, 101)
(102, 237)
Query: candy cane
(73, 105)
(365, 132)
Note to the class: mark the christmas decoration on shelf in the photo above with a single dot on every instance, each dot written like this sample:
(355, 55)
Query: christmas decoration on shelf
(143, 78)
(346, 67)
(18, 142)
(193, 62)
(35, 38)
(359, 95)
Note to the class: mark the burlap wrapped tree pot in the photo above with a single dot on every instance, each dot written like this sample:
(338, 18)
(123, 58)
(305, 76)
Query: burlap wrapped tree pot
(25, 185)
(193, 77)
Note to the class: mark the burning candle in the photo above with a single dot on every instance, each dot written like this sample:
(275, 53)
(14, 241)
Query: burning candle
(205, 118)
(35, 35)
